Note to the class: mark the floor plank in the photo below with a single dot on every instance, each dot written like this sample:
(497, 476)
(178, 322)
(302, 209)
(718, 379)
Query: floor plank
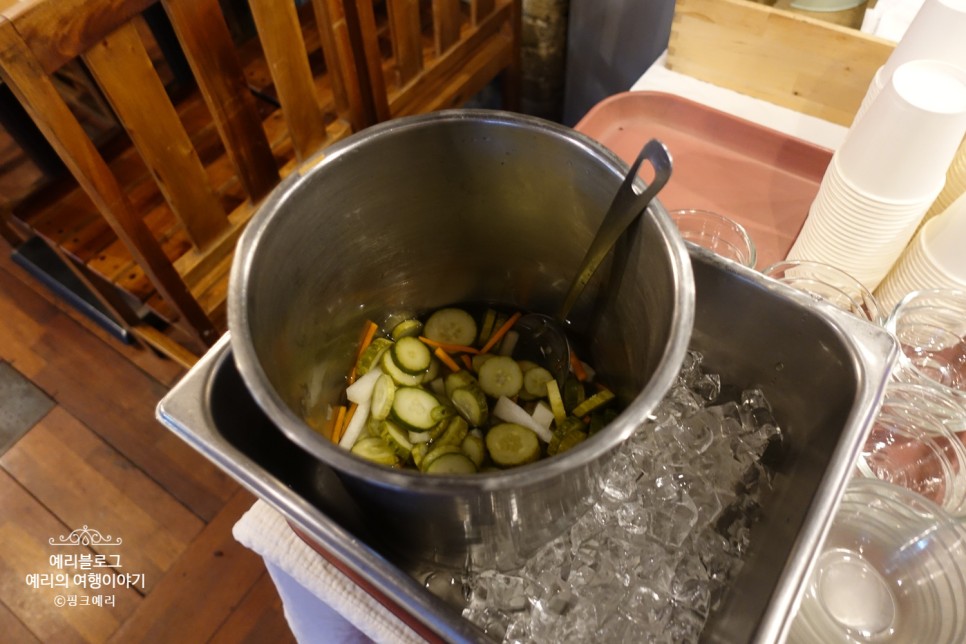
(259, 618)
(215, 569)
(13, 629)
(25, 528)
(83, 481)
(158, 367)
(109, 394)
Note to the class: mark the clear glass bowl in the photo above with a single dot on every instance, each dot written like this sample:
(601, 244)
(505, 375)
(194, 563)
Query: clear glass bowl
(893, 569)
(930, 326)
(830, 284)
(719, 234)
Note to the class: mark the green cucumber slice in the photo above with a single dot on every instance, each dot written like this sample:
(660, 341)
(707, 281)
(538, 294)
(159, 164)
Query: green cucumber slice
(474, 448)
(371, 355)
(375, 450)
(398, 439)
(596, 401)
(501, 376)
(535, 381)
(407, 329)
(456, 463)
(455, 432)
(399, 376)
(459, 379)
(470, 403)
(434, 452)
(511, 445)
(383, 393)
(411, 355)
(414, 408)
(451, 326)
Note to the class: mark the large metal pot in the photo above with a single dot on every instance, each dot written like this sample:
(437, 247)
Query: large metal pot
(453, 207)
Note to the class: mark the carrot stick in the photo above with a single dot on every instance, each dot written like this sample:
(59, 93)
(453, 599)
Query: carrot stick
(446, 359)
(499, 333)
(577, 367)
(367, 335)
(467, 361)
(449, 348)
(337, 426)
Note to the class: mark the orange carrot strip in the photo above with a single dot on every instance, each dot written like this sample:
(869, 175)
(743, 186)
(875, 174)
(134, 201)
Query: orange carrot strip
(577, 367)
(446, 359)
(337, 425)
(467, 361)
(367, 335)
(348, 416)
(449, 348)
(499, 333)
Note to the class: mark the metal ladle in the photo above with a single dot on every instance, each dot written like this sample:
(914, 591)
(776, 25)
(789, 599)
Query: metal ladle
(544, 337)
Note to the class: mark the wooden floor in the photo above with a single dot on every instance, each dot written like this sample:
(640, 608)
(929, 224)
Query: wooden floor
(98, 458)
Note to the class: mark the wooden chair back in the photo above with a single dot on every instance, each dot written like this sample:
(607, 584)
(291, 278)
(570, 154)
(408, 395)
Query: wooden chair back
(425, 55)
(182, 243)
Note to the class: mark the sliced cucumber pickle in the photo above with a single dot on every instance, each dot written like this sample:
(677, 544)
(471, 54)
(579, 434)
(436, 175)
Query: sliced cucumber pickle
(451, 326)
(407, 329)
(375, 450)
(501, 376)
(411, 355)
(415, 408)
(372, 354)
(511, 445)
(455, 463)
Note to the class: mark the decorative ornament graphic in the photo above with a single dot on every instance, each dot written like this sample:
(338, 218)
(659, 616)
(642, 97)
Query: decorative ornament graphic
(85, 536)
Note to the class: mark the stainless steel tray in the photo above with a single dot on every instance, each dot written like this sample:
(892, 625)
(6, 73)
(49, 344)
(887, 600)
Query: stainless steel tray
(822, 370)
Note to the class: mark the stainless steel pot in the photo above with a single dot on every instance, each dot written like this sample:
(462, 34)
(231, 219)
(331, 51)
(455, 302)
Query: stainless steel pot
(453, 207)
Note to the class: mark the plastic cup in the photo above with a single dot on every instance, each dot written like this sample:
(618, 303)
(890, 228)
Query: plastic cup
(891, 570)
(717, 233)
(901, 147)
(930, 326)
(935, 33)
(828, 283)
(943, 240)
(911, 445)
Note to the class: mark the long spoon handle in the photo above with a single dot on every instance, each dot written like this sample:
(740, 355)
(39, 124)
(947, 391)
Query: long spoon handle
(626, 207)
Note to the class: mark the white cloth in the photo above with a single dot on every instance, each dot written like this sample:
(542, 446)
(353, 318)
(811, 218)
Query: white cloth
(323, 605)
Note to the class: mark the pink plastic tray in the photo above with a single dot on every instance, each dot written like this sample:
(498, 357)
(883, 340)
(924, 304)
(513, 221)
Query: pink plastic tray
(761, 178)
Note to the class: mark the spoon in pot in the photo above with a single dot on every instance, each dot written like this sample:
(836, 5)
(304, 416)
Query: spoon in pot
(543, 337)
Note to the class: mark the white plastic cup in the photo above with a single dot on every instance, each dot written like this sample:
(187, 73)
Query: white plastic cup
(935, 33)
(902, 146)
(944, 239)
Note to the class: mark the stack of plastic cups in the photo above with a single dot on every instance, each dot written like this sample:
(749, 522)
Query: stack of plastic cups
(887, 172)
(936, 258)
(935, 33)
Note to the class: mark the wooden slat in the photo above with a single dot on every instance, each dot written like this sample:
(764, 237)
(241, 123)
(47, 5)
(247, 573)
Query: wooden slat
(259, 618)
(804, 64)
(281, 37)
(163, 371)
(77, 23)
(327, 14)
(82, 480)
(125, 73)
(480, 9)
(25, 528)
(407, 44)
(363, 34)
(206, 41)
(450, 67)
(60, 356)
(446, 24)
(40, 98)
(216, 567)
